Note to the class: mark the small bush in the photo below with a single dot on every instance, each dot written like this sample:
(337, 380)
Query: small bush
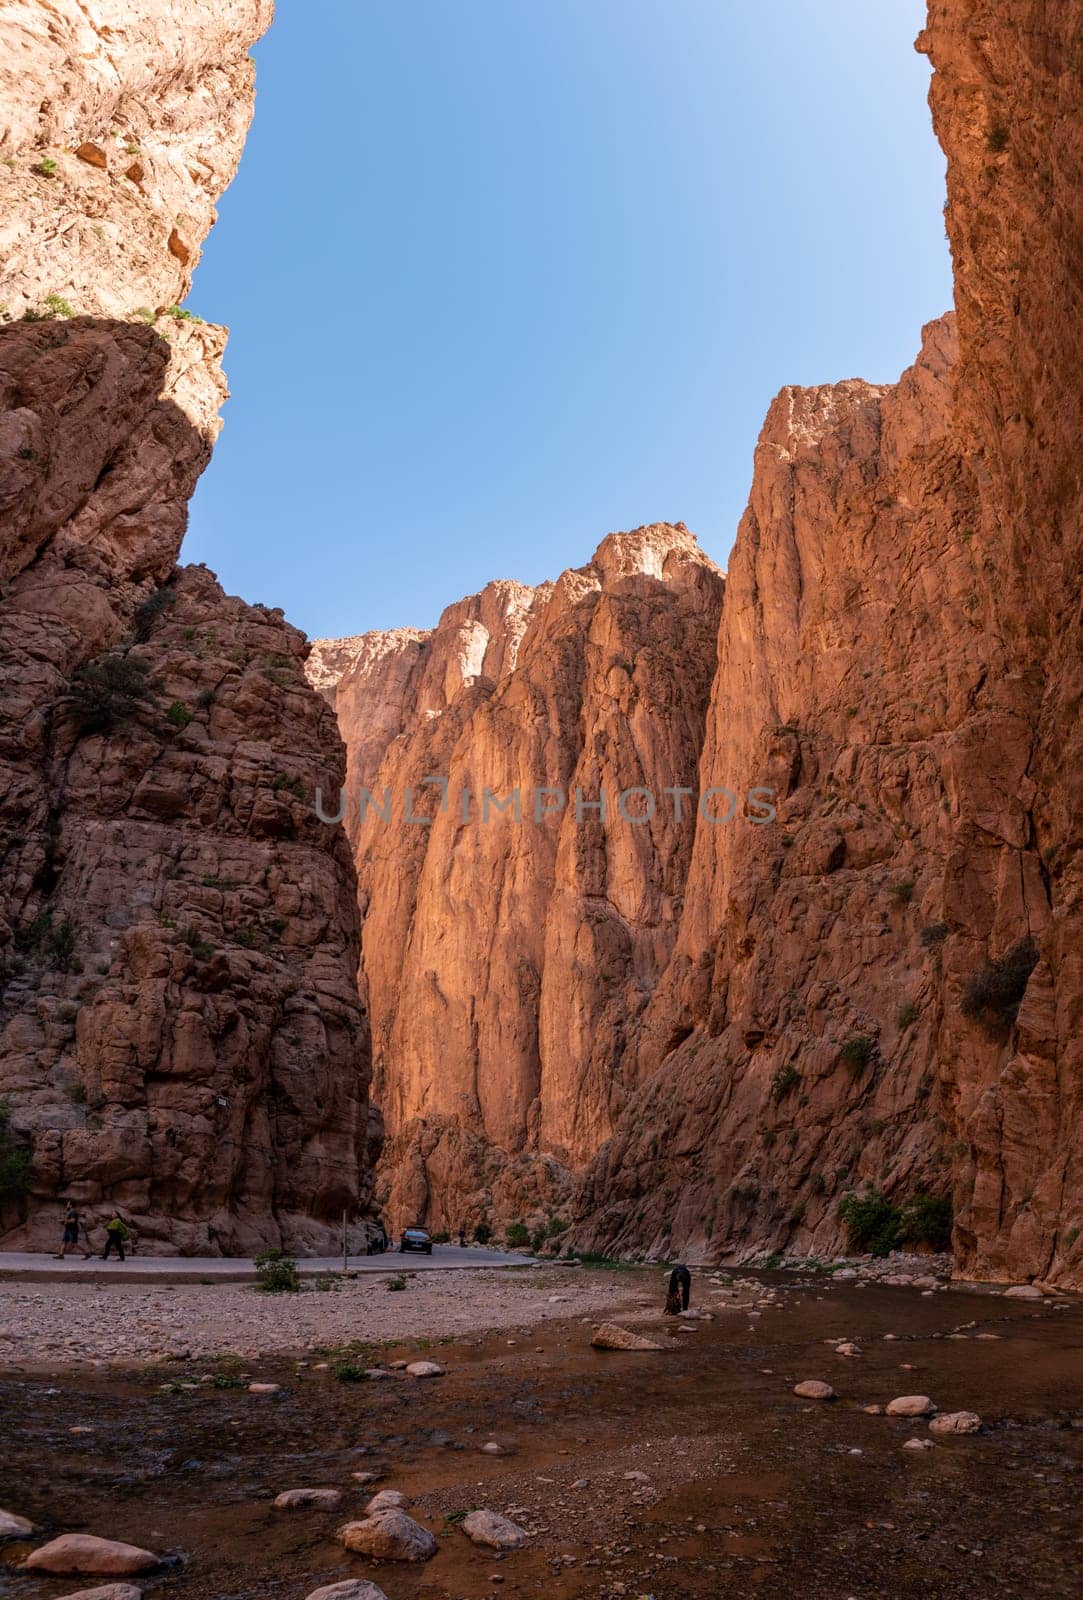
(396, 1284)
(872, 1223)
(482, 1233)
(108, 692)
(997, 139)
(46, 166)
(54, 941)
(933, 934)
(277, 1272)
(224, 1380)
(150, 609)
(517, 1236)
(179, 714)
(145, 314)
(294, 785)
(179, 314)
(857, 1052)
(927, 1219)
(327, 1283)
(14, 1158)
(349, 1372)
(907, 1013)
(197, 944)
(993, 995)
(441, 1238)
(902, 892)
(785, 1079)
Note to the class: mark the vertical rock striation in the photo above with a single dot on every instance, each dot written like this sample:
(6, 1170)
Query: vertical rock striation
(506, 960)
(179, 1027)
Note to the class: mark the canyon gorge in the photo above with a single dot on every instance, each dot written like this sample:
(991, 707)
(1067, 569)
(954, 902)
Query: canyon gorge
(632, 1034)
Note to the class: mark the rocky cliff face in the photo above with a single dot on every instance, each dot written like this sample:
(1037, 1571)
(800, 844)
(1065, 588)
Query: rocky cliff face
(179, 1028)
(882, 990)
(507, 954)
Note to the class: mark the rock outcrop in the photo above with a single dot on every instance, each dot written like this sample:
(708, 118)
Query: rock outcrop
(180, 1033)
(884, 989)
(508, 953)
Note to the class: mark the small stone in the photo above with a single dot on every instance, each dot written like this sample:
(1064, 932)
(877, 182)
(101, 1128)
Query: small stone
(13, 1527)
(608, 1336)
(918, 1444)
(107, 1591)
(387, 1500)
(910, 1405)
(637, 1477)
(1024, 1291)
(425, 1369)
(955, 1422)
(352, 1589)
(489, 1528)
(389, 1536)
(813, 1389)
(264, 1388)
(83, 1553)
(319, 1499)
(492, 1448)
(873, 1411)
(847, 1350)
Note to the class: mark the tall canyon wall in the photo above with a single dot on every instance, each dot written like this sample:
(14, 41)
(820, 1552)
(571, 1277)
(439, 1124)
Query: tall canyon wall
(180, 1033)
(696, 1045)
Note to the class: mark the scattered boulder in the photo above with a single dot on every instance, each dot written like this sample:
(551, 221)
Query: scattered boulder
(425, 1369)
(387, 1500)
(910, 1405)
(320, 1499)
(608, 1336)
(1024, 1291)
(352, 1589)
(82, 1552)
(813, 1389)
(918, 1444)
(847, 1349)
(108, 1591)
(264, 1388)
(390, 1536)
(13, 1527)
(492, 1530)
(955, 1422)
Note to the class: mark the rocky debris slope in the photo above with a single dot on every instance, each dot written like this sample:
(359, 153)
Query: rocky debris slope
(179, 1028)
(507, 956)
(887, 991)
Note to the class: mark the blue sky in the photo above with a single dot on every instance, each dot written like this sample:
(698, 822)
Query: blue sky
(506, 275)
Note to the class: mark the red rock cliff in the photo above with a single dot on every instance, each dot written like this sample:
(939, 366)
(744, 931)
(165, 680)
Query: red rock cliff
(179, 1027)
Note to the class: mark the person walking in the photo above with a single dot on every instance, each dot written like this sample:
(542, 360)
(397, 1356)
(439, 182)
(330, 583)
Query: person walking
(72, 1223)
(462, 1238)
(116, 1233)
(679, 1292)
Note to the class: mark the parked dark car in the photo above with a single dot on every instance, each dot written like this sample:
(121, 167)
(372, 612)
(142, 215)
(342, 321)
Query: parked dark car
(416, 1239)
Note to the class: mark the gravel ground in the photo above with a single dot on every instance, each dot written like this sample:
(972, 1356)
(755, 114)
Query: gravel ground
(74, 1324)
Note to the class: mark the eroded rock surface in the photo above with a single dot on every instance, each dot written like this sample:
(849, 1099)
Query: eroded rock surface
(180, 1033)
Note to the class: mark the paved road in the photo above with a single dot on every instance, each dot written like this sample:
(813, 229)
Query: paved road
(232, 1269)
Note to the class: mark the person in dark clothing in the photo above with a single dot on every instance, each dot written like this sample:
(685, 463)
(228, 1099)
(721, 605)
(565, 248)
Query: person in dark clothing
(680, 1291)
(116, 1232)
(462, 1238)
(71, 1232)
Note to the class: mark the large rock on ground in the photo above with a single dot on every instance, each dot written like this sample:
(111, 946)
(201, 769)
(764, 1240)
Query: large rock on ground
(108, 1591)
(13, 1527)
(84, 1553)
(910, 1405)
(955, 1422)
(316, 1499)
(813, 1389)
(389, 1536)
(351, 1589)
(610, 1336)
(489, 1528)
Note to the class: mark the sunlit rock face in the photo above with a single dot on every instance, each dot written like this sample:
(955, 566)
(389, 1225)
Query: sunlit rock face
(180, 1032)
(505, 962)
(713, 1041)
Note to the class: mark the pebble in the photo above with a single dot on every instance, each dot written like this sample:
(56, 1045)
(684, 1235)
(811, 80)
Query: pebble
(264, 1388)
(1024, 1291)
(387, 1500)
(425, 1369)
(107, 1591)
(955, 1422)
(813, 1389)
(13, 1527)
(918, 1444)
(352, 1589)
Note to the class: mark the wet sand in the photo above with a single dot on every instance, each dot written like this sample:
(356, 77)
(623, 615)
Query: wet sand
(747, 1489)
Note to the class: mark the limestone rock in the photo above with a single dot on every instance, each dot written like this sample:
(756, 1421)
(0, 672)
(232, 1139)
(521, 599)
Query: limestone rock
(317, 1499)
(13, 1527)
(387, 1500)
(84, 1553)
(813, 1389)
(608, 1336)
(425, 1369)
(910, 1405)
(390, 1536)
(351, 1589)
(955, 1422)
(489, 1528)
